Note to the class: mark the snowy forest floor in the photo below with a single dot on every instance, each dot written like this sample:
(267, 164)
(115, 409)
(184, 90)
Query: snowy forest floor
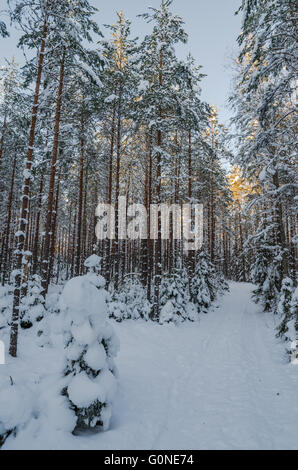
(222, 383)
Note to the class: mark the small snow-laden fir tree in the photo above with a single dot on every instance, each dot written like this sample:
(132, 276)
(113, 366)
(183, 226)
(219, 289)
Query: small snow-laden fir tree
(284, 308)
(176, 305)
(32, 308)
(266, 274)
(288, 329)
(130, 301)
(294, 314)
(90, 348)
(267, 293)
(222, 284)
(206, 283)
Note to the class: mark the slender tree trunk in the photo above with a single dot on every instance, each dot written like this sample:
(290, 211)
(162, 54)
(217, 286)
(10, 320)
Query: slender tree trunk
(80, 202)
(49, 215)
(150, 249)
(84, 230)
(53, 237)
(108, 243)
(144, 243)
(3, 137)
(73, 246)
(68, 259)
(158, 248)
(191, 253)
(8, 223)
(24, 202)
(37, 224)
(280, 231)
(212, 215)
(116, 248)
(242, 245)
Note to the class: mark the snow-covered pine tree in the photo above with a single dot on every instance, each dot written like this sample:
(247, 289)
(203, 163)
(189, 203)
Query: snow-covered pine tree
(214, 178)
(14, 112)
(191, 122)
(90, 348)
(65, 25)
(35, 37)
(119, 92)
(266, 119)
(159, 106)
(72, 25)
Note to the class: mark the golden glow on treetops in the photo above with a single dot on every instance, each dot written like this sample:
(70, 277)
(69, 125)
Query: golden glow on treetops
(239, 186)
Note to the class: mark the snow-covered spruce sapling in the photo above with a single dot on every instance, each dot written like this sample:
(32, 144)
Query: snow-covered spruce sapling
(285, 305)
(90, 348)
(266, 274)
(288, 329)
(206, 283)
(175, 301)
(32, 308)
(130, 301)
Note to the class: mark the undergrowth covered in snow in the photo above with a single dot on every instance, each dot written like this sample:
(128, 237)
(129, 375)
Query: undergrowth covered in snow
(65, 378)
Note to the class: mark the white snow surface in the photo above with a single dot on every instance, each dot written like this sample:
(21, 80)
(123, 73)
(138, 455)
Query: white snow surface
(221, 383)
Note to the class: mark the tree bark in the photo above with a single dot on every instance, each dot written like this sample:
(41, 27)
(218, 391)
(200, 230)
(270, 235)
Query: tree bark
(116, 244)
(48, 225)
(80, 202)
(25, 200)
(8, 223)
(37, 225)
(158, 252)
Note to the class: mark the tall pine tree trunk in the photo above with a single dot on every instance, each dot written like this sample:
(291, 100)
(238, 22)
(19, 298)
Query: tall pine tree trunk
(108, 243)
(8, 223)
(53, 237)
(149, 239)
(37, 225)
(116, 244)
(191, 254)
(80, 202)
(3, 132)
(158, 248)
(280, 231)
(212, 214)
(24, 202)
(49, 215)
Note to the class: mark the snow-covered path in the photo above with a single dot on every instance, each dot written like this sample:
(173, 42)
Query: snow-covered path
(223, 383)
(219, 384)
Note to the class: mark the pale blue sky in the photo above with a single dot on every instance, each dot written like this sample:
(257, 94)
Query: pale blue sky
(212, 28)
